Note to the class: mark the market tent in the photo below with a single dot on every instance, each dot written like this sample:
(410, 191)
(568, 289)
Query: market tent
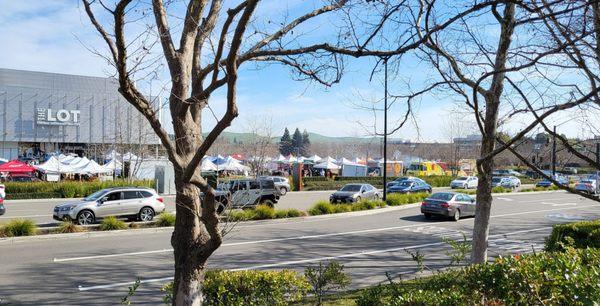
(208, 165)
(129, 156)
(281, 159)
(15, 166)
(92, 168)
(328, 159)
(315, 158)
(231, 165)
(344, 161)
(112, 154)
(219, 160)
(113, 165)
(54, 166)
(327, 165)
(357, 160)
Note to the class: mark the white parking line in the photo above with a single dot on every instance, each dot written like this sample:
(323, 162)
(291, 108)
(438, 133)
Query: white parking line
(302, 261)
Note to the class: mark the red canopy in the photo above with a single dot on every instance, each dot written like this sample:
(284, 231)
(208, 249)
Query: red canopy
(15, 166)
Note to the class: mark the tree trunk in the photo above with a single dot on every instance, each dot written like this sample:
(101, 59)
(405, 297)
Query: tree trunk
(484, 206)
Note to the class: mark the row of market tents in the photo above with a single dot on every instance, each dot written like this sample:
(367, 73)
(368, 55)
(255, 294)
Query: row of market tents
(63, 164)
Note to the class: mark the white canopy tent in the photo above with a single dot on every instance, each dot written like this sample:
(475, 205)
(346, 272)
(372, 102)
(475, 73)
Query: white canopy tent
(208, 165)
(315, 158)
(328, 165)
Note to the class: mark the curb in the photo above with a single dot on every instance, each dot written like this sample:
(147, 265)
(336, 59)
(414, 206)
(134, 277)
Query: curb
(84, 234)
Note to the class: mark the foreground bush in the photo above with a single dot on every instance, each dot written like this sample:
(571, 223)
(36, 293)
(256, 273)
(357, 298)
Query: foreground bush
(250, 287)
(69, 227)
(165, 219)
(65, 189)
(112, 223)
(322, 208)
(569, 278)
(18, 227)
(578, 234)
(326, 208)
(289, 213)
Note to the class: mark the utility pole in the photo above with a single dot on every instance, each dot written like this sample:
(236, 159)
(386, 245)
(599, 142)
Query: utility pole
(385, 111)
(554, 153)
(597, 165)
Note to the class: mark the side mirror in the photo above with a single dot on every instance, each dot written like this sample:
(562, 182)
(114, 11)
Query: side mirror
(363, 191)
(472, 200)
(102, 200)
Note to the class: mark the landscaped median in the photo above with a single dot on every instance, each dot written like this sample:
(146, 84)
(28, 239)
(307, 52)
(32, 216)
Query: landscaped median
(65, 189)
(25, 227)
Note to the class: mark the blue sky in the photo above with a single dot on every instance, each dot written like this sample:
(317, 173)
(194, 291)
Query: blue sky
(50, 36)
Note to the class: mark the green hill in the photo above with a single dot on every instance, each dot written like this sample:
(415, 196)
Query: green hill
(314, 138)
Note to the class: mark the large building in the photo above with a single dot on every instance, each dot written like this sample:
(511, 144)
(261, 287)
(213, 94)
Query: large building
(47, 112)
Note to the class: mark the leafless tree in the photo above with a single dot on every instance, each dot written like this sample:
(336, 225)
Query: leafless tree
(213, 43)
(510, 76)
(259, 144)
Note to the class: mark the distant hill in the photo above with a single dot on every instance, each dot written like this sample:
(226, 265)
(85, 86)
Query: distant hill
(314, 138)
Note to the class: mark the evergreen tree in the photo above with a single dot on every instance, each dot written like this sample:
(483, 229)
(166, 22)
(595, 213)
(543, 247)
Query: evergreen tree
(297, 142)
(285, 143)
(305, 144)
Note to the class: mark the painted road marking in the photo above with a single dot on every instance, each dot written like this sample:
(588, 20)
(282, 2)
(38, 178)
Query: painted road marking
(505, 199)
(304, 261)
(26, 216)
(309, 236)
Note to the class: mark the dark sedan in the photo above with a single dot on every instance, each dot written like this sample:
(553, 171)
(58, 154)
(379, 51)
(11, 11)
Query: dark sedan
(410, 186)
(451, 205)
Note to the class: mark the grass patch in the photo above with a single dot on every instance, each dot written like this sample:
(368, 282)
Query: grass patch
(289, 213)
(165, 219)
(69, 227)
(112, 223)
(18, 227)
(326, 208)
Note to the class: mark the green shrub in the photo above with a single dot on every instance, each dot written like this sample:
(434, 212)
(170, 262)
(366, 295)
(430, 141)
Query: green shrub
(500, 189)
(69, 227)
(262, 212)
(568, 278)
(112, 223)
(342, 208)
(396, 199)
(288, 213)
(19, 227)
(321, 208)
(165, 219)
(366, 205)
(240, 215)
(254, 287)
(578, 234)
(326, 278)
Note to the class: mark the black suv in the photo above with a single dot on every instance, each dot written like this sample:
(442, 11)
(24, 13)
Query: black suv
(244, 193)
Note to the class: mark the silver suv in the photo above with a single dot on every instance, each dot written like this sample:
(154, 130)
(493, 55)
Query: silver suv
(131, 202)
(282, 184)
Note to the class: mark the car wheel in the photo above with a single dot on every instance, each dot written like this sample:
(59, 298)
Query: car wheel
(268, 202)
(456, 215)
(358, 199)
(146, 214)
(376, 197)
(427, 216)
(283, 191)
(85, 217)
(220, 208)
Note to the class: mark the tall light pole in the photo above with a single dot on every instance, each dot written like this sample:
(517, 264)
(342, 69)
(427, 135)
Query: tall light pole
(554, 153)
(385, 111)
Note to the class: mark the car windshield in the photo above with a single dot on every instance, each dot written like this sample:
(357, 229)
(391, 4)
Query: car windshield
(351, 188)
(496, 179)
(442, 196)
(96, 195)
(462, 178)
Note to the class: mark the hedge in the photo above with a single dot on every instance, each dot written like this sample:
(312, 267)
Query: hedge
(65, 189)
(569, 278)
(252, 287)
(326, 208)
(581, 234)
(396, 199)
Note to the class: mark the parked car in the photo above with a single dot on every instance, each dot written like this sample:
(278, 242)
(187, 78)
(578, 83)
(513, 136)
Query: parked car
(245, 193)
(587, 186)
(506, 172)
(547, 183)
(402, 179)
(451, 205)
(2, 191)
(354, 193)
(464, 182)
(510, 182)
(137, 203)
(570, 170)
(282, 184)
(2, 207)
(410, 186)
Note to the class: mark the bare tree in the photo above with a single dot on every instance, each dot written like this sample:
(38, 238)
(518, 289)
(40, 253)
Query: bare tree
(259, 145)
(213, 43)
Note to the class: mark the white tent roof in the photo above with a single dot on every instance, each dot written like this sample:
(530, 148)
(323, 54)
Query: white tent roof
(345, 161)
(92, 167)
(112, 154)
(53, 165)
(328, 159)
(129, 156)
(315, 158)
(208, 165)
(233, 166)
(113, 165)
(327, 165)
(281, 159)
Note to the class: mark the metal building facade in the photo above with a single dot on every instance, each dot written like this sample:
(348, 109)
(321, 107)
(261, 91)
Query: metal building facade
(51, 108)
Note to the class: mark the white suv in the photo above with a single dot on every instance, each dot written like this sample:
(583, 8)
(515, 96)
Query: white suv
(132, 202)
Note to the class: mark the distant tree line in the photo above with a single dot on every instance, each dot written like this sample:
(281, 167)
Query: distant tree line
(298, 144)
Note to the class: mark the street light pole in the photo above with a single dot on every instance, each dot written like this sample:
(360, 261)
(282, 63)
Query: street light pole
(554, 153)
(385, 111)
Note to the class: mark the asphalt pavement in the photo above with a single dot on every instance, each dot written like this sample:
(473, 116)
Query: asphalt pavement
(97, 269)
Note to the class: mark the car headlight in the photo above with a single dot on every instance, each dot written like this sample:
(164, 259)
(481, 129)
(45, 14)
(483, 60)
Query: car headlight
(67, 208)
